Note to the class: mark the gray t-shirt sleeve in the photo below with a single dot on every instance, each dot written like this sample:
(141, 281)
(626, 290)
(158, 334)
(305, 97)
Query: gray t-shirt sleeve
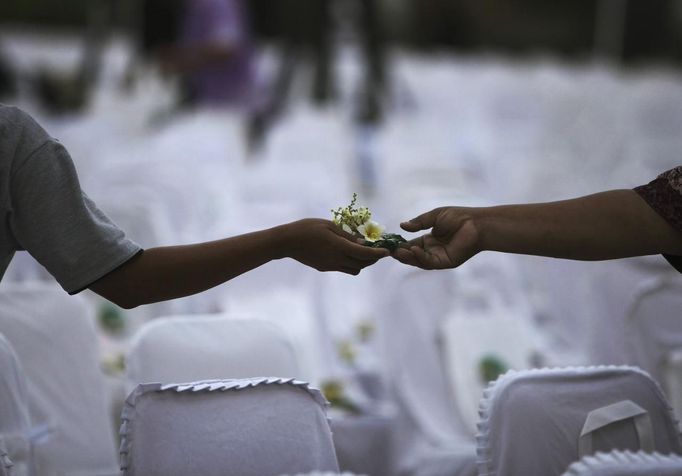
(59, 225)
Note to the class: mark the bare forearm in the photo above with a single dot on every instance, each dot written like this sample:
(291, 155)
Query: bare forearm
(164, 273)
(170, 272)
(607, 225)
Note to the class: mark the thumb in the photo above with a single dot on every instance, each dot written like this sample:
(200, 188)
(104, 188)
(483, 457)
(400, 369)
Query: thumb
(422, 222)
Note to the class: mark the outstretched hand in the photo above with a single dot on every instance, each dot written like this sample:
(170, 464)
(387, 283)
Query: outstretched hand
(324, 246)
(452, 241)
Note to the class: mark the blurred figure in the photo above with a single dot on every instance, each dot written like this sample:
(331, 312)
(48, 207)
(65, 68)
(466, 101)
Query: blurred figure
(68, 92)
(215, 53)
(308, 29)
(208, 44)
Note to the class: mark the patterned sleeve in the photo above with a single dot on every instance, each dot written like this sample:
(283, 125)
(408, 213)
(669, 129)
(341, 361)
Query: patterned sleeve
(664, 195)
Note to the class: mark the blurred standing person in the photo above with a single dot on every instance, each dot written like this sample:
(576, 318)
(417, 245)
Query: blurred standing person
(307, 28)
(214, 54)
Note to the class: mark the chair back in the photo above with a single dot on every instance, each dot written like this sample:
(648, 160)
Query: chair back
(479, 345)
(189, 348)
(15, 423)
(249, 427)
(654, 332)
(540, 421)
(55, 340)
(626, 463)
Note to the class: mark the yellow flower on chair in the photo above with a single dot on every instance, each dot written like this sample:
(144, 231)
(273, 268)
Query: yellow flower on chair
(371, 231)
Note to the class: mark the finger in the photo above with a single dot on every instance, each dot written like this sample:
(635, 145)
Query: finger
(425, 260)
(406, 257)
(354, 247)
(364, 260)
(349, 270)
(422, 222)
(358, 263)
(337, 230)
(418, 242)
(361, 252)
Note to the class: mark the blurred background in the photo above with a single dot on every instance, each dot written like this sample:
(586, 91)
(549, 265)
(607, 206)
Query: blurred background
(191, 120)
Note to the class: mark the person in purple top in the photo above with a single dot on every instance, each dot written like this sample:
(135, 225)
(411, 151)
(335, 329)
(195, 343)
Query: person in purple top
(215, 54)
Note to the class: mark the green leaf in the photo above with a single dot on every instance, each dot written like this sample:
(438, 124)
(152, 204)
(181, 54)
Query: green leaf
(390, 241)
(490, 367)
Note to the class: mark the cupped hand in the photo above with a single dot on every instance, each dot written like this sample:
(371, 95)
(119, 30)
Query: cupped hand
(324, 246)
(453, 239)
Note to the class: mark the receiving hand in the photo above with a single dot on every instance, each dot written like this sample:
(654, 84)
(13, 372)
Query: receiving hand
(322, 245)
(452, 241)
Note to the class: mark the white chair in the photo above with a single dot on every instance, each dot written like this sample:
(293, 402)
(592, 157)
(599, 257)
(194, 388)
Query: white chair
(672, 379)
(289, 306)
(431, 437)
(249, 427)
(479, 341)
(6, 462)
(654, 332)
(55, 339)
(24, 268)
(626, 463)
(190, 348)
(540, 421)
(605, 298)
(15, 423)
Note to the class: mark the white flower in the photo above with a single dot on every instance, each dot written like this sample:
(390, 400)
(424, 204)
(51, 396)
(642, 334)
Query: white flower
(347, 229)
(371, 231)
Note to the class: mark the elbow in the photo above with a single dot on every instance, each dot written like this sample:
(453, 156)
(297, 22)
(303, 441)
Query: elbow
(126, 303)
(121, 297)
(125, 300)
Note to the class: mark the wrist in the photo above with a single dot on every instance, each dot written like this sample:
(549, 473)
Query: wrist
(282, 240)
(479, 221)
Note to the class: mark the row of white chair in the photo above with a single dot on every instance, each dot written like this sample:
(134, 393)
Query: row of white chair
(532, 422)
(36, 309)
(452, 321)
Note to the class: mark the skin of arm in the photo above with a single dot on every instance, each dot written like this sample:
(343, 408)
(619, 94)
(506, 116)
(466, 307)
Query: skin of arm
(163, 273)
(606, 225)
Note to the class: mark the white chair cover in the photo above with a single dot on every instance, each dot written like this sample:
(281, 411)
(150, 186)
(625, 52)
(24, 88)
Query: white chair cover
(672, 379)
(15, 424)
(605, 293)
(23, 268)
(431, 439)
(55, 340)
(5, 460)
(249, 427)
(190, 348)
(626, 463)
(654, 328)
(363, 444)
(266, 294)
(540, 421)
(478, 333)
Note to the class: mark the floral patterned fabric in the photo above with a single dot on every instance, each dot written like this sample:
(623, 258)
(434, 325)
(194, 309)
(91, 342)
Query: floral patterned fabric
(664, 195)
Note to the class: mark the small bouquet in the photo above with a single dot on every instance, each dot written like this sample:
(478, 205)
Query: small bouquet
(357, 221)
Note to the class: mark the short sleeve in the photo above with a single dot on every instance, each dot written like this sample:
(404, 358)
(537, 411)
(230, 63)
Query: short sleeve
(664, 195)
(59, 225)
